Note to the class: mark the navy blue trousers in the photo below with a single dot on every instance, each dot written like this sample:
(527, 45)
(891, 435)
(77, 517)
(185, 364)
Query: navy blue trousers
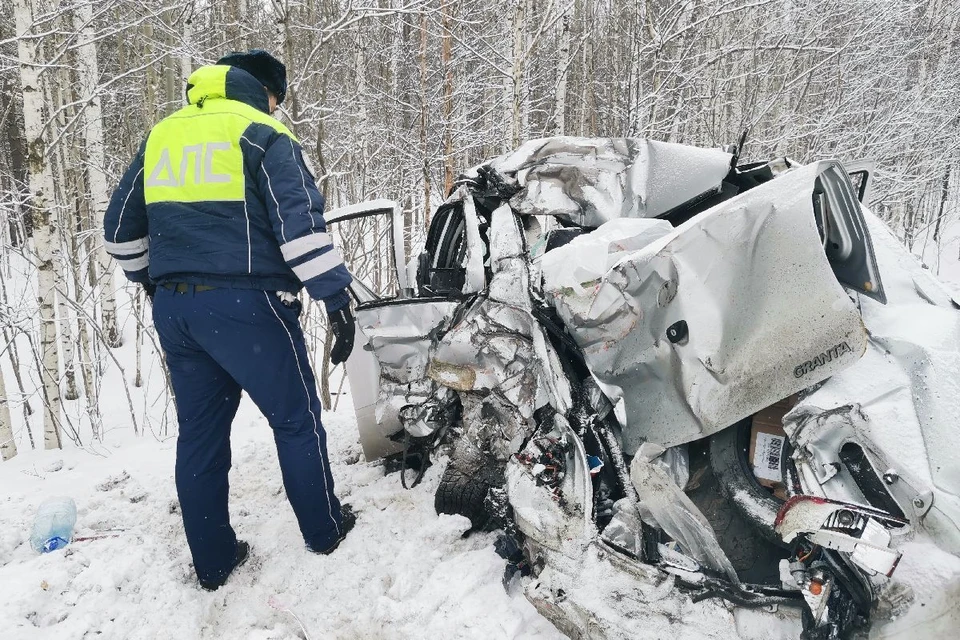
(218, 343)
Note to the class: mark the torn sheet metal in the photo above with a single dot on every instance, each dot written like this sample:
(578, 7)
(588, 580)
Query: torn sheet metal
(819, 436)
(490, 350)
(510, 282)
(474, 276)
(497, 346)
(676, 514)
(859, 530)
(625, 529)
(717, 320)
(600, 595)
(552, 377)
(490, 431)
(596, 253)
(589, 181)
(675, 461)
(400, 336)
(552, 501)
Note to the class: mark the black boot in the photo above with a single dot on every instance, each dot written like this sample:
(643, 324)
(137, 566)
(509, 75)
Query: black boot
(243, 551)
(348, 519)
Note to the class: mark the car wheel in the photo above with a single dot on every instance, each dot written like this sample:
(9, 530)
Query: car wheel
(729, 451)
(755, 558)
(463, 491)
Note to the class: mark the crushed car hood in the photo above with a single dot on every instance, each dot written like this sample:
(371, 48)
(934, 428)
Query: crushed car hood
(589, 181)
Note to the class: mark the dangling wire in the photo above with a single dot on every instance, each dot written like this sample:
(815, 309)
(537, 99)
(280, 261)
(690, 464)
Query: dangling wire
(403, 464)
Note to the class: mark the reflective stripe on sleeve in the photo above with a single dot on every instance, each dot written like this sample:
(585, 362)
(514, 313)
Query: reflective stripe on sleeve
(126, 248)
(135, 264)
(305, 244)
(319, 265)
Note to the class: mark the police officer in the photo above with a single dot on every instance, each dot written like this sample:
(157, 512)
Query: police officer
(220, 219)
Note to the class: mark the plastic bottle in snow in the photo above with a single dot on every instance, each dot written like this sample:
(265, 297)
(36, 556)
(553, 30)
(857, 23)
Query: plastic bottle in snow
(53, 526)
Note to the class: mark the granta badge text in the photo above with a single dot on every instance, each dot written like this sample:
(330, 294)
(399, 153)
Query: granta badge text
(827, 356)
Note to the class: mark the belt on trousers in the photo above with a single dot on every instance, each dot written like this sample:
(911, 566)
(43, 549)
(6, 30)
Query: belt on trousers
(182, 287)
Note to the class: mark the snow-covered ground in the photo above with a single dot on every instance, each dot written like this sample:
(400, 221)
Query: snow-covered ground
(403, 572)
(943, 258)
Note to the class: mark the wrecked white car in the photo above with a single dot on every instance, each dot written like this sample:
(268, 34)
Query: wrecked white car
(677, 386)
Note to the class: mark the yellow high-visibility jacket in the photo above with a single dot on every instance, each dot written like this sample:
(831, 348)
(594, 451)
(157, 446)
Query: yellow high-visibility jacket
(219, 195)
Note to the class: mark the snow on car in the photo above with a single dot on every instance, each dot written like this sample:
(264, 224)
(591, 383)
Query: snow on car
(680, 387)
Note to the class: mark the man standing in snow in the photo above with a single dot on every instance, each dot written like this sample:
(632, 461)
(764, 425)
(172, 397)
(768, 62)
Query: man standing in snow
(220, 219)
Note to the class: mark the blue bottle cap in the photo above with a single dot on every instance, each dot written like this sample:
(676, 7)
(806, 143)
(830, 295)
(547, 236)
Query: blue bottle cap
(53, 544)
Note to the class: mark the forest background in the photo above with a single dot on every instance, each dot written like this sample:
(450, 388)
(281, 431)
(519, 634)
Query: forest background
(391, 99)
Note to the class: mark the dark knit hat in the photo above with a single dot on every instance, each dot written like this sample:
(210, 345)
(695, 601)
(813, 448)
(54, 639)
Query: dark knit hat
(264, 67)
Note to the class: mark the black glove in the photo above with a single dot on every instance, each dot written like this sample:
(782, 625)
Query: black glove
(150, 289)
(344, 328)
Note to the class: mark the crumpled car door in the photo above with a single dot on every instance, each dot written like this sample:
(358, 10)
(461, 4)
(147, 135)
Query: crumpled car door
(395, 328)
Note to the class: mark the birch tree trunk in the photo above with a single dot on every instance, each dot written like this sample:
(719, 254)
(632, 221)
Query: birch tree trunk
(67, 342)
(89, 73)
(88, 370)
(635, 78)
(8, 448)
(423, 121)
(944, 197)
(171, 70)
(445, 51)
(518, 26)
(243, 22)
(360, 192)
(235, 16)
(65, 163)
(18, 164)
(563, 64)
(292, 98)
(150, 76)
(44, 235)
(529, 23)
(9, 338)
(186, 63)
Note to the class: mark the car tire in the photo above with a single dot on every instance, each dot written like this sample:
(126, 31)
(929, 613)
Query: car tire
(729, 461)
(755, 558)
(463, 491)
